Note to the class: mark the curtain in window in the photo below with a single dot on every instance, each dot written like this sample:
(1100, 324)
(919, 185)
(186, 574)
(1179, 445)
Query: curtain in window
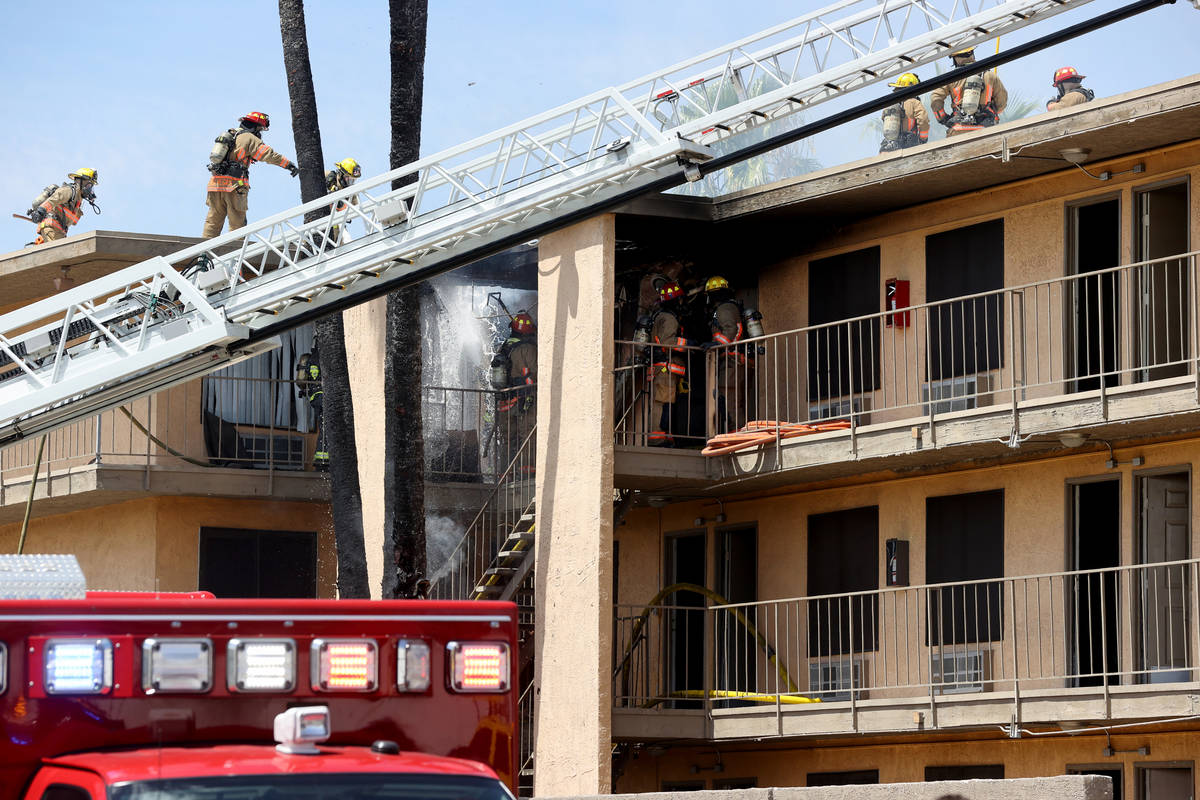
(260, 391)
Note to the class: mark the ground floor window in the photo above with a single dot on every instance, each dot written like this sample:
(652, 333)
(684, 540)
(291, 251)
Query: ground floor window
(965, 772)
(852, 777)
(236, 562)
(1167, 781)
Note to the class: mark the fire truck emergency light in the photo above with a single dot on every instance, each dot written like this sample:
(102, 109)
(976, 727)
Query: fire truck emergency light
(344, 665)
(298, 729)
(261, 665)
(478, 666)
(412, 665)
(78, 666)
(176, 665)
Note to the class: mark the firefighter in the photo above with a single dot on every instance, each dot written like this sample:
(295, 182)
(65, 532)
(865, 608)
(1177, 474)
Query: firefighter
(342, 176)
(905, 124)
(664, 355)
(231, 157)
(1069, 83)
(731, 322)
(514, 373)
(976, 101)
(59, 208)
(308, 386)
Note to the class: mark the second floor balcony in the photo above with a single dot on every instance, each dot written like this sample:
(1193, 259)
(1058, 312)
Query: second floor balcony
(1088, 358)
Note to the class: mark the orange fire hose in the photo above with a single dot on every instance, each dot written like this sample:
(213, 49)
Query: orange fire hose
(760, 432)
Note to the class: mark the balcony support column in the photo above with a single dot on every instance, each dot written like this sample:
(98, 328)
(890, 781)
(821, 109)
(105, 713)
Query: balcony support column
(574, 569)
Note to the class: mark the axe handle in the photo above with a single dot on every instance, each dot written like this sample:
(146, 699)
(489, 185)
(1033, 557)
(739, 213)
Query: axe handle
(22, 216)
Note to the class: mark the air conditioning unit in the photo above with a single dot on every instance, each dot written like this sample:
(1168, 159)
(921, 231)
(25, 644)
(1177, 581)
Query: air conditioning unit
(840, 408)
(961, 671)
(832, 679)
(957, 394)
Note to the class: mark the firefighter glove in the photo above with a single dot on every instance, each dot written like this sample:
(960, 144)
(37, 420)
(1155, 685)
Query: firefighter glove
(295, 170)
(37, 214)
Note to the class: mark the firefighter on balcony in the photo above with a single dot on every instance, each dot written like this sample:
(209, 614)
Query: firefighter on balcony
(228, 189)
(308, 386)
(1069, 83)
(342, 176)
(57, 208)
(730, 322)
(514, 373)
(976, 101)
(905, 124)
(663, 332)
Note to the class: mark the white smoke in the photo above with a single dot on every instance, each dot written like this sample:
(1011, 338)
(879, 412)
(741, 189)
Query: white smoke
(442, 535)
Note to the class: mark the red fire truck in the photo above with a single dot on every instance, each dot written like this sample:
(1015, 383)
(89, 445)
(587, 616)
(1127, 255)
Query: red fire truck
(189, 697)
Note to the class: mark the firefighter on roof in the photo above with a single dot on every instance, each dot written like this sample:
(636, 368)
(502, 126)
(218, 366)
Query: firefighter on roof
(1069, 83)
(665, 356)
(57, 208)
(235, 150)
(976, 101)
(514, 374)
(905, 124)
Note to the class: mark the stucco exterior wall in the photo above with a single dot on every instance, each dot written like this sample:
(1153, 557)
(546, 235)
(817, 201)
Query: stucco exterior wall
(366, 331)
(153, 543)
(574, 508)
(905, 761)
(1035, 517)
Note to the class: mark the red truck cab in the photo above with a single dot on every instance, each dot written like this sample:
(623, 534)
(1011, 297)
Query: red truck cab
(181, 697)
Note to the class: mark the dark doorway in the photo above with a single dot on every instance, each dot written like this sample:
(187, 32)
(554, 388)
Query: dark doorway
(843, 360)
(843, 557)
(1164, 531)
(1162, 323)
(964, 536)
(248, 563)
(1116, 774)
(965, 336)
(738, 654)
(1095, 537)
(685, 563)
(1094, 243)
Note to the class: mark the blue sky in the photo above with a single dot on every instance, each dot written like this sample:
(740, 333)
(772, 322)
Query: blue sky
(139, 89)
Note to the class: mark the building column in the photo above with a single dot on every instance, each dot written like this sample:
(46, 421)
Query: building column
(366, 347)
(573, 704)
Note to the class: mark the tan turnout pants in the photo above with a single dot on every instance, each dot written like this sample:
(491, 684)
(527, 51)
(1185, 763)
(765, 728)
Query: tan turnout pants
(49, 233)
(225, 204)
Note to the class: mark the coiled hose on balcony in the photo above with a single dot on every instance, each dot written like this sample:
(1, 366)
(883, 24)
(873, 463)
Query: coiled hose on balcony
(761, 432)
(638, 632)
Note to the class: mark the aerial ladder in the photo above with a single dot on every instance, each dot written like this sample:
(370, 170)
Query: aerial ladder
(170, 319)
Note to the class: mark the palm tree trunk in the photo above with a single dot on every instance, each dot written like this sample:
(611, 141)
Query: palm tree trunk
(338, 416)
(404, 444)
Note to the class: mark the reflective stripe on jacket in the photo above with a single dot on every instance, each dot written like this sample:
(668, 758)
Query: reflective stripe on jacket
(62, 208)
(247, 148)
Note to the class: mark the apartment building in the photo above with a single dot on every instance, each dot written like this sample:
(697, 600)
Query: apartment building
(206, 485)
(972, 550)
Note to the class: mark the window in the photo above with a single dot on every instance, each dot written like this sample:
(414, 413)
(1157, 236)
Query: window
(851, 778)
(64, 791)
(1168, 781)
(964, 541)
(683, 786)
(841, 357)
(965, 336)
(843, 556)
(737, 582)
(253, 414)
(249, 563)
(965, 772)
(735, 783)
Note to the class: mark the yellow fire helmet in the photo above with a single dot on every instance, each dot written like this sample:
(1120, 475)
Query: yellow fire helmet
(85, 173)
(966, 51)
(714, 283)
(350, 167)
(905, 80)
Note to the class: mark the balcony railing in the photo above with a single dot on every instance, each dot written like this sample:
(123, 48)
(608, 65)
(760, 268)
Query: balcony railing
(654, 402)
(248, 423)
(1058, 633)
(1097, 332)
(472, 434)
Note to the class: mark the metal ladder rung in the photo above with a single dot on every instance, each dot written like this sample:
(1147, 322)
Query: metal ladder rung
(500, 571)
